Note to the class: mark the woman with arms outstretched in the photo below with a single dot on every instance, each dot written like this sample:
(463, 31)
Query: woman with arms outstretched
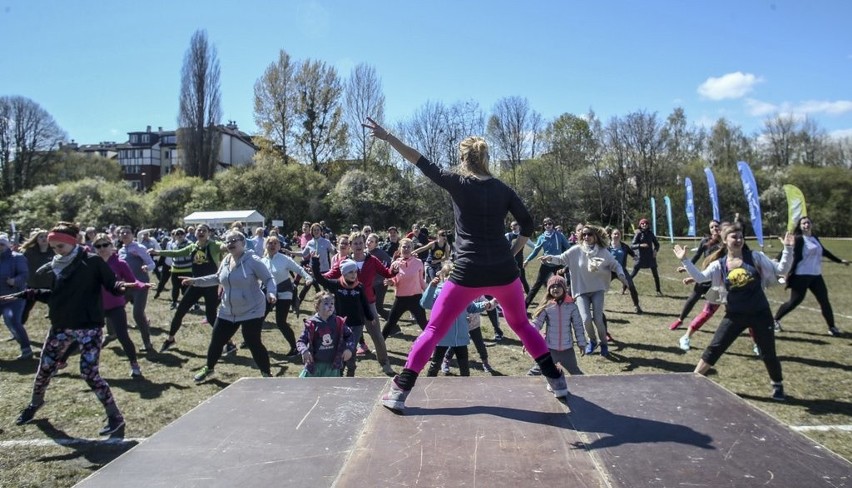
(484, 263)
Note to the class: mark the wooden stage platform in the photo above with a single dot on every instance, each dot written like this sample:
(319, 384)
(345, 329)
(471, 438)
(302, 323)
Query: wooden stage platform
(672, 430)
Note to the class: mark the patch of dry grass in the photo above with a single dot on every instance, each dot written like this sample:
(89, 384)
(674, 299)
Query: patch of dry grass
(816, 369)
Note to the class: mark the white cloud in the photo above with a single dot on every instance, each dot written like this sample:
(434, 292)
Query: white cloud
(836, 107)
(731, 85)
(759, 108)
(841, 134)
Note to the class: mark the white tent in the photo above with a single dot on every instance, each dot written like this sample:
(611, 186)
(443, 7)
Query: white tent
(252, 218)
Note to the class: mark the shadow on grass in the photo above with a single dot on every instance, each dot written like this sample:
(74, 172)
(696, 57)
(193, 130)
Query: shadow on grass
(145, 388)
(630, 364)
(813, 406)
(673, 350)
(99, 452)
(23, 367)
(817, 363)
(787, 338)
(615, 430)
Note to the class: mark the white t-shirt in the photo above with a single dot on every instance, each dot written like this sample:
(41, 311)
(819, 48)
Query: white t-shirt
(811, 263)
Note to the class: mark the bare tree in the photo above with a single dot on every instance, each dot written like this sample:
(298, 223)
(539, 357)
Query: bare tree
(28, 136)
(813, 144)
(510, 129)
(200, 107)
(779, 135)
(364, 98)
(726, 145)
(461, 120)
(426, 132)
(275, 106)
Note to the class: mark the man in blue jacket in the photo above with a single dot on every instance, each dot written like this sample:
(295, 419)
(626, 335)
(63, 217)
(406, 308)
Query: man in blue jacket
(553, 243)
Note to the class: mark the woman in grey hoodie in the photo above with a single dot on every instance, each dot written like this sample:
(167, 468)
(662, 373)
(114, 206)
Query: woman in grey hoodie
(241, 274)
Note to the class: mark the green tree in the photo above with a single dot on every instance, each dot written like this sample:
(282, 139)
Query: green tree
(168, 200)
(275, 105)
(321, 132)
(292, 192)
(71, 166)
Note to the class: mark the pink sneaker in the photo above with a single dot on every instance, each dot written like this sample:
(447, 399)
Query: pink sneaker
(394, 399)
(674, 325)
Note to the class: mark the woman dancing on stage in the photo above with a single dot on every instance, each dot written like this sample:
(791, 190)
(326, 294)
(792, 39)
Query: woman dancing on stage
(484, 264)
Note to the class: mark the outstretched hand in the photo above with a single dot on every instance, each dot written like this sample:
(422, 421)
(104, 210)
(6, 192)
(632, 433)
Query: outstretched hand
(789, 240)
(375, 129)
(680, 252)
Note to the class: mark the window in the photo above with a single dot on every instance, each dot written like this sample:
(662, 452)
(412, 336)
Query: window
(146, 138)
(134, 138)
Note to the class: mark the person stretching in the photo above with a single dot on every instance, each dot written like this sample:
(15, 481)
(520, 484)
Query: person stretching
(484, 264)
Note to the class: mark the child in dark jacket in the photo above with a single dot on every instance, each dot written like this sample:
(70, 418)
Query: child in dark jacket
(326, 343)
(350, 300)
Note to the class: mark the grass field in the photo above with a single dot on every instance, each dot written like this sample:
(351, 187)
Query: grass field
(816, 369)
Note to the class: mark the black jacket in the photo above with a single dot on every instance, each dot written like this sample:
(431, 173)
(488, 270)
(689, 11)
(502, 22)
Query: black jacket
(75, 299)
(350, 303)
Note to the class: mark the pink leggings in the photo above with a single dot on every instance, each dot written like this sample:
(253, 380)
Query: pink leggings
(704, 316)
(453, 301)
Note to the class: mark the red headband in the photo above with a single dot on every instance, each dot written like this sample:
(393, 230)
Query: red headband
(62, 237)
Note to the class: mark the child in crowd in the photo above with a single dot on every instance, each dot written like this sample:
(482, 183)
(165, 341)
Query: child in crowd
(350, 300)
(562, 318)
(326, 343)
(475, 333)
(457, 338)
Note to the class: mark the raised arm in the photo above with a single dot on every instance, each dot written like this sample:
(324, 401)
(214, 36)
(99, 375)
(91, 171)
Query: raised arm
(409, 153)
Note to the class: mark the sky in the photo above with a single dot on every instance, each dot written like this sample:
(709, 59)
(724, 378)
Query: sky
(102, 68)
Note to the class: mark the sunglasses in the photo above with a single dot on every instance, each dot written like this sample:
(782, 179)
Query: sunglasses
(586, 234)
(102, 245)
(405, 247)
(233, 241)
(547, 224)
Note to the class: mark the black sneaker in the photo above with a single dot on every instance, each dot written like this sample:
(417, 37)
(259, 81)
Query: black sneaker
(114, 424)
(778, 393)
(534, 371)
(229, 349)
(27, 414)
(498, 337)
(834, 331)
(167, 345)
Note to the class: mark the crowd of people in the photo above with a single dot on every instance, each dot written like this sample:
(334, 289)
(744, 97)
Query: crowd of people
(87, 278)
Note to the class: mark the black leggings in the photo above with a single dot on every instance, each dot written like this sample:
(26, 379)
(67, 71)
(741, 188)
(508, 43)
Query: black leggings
(478, 343)
(697, 292)
(634, 295)
(223, 330)
(116, 318)
(764, 336)
(400, 306)
(799, 286)
(282, 311)
(653, 272)
(438, 358)
(190, 298)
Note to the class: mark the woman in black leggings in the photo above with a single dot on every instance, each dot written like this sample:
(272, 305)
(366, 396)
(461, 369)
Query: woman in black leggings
(806, 275)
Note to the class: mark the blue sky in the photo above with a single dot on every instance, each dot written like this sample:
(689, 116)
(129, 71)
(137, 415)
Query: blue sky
(104, 68)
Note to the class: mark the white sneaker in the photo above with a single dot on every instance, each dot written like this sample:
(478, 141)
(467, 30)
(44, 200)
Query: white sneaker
(557, 386)
(756, 350)
(684, 343)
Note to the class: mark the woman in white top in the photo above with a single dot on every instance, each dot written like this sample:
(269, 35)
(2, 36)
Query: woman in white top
(591, 266)
(281, 265)
(806, 275)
